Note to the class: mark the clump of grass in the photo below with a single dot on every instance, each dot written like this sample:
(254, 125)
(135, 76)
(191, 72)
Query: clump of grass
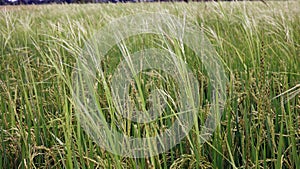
(258, 45)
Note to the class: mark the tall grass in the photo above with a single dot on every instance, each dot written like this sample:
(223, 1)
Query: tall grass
(259, 46)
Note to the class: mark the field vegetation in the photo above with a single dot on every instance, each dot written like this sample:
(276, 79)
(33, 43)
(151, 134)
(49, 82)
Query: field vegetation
(259, 45)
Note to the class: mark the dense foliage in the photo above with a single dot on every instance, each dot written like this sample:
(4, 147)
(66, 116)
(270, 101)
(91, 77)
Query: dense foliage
(259, 45)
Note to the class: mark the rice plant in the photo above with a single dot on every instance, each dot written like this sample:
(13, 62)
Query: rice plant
(258, 45)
